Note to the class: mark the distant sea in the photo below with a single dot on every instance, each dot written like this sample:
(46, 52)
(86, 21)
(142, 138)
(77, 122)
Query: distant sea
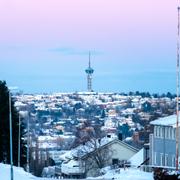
(153, 82)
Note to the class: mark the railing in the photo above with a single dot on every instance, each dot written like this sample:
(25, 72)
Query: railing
(150, 168)
(72, 170)
(58, 170)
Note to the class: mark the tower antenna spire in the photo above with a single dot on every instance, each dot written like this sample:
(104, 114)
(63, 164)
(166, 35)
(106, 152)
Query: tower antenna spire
(177, 91)
(89, 71)
(89, 59)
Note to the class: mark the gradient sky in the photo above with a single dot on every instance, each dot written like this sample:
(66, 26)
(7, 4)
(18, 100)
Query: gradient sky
(44, 44)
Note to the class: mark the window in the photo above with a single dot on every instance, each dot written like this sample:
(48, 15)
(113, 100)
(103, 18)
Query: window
(161, 159)
(173, 161)
(115, 161)
(169, 132)
(174, 133)
(155, 131)
(166, 160)
(155, 158)
(166, 132)
(159, 132)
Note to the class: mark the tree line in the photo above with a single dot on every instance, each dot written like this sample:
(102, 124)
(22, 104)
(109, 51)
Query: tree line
(5, 129)
(147, 94)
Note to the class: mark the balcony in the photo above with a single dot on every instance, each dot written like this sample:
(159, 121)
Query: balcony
(72, 167)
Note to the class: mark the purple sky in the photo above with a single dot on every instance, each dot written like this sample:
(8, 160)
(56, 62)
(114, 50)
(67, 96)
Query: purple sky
(45, 44)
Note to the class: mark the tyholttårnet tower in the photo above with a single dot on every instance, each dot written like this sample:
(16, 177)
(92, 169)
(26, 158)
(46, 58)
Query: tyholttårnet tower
(89, 71)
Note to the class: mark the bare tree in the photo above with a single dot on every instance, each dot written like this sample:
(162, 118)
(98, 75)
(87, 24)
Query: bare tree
(93, 150)
(98, 155)
(86, 132)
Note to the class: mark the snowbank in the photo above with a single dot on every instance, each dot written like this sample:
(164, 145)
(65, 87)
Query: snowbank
(127, 174)
(19, 173)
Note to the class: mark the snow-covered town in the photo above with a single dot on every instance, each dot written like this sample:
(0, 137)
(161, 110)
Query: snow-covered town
(91, 135)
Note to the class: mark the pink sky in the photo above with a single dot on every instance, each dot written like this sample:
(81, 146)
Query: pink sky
(129, 35)
(69, 21)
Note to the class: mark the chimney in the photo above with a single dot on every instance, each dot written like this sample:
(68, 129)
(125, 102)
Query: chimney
(108, 136)
(120, 136)
(136, 137)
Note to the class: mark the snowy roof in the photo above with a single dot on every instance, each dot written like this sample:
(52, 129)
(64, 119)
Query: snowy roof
(18, 103)
(46, 138)
(82, 150)
(165, 121)
(66, 156)
(137, 159)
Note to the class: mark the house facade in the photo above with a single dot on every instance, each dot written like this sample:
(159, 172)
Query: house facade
(163, 142)
(110, 151)
(114, 153)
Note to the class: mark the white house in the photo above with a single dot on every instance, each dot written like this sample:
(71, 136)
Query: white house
(88, 159)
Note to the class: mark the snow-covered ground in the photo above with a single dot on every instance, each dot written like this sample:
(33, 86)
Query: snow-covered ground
(19, 174)
(128, 174)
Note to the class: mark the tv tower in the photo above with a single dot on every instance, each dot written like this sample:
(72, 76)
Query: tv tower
(89, 71)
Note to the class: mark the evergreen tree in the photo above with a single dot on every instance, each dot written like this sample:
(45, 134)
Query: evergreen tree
(146, 107)
(5, 130)
(103, 114)
(124, 129)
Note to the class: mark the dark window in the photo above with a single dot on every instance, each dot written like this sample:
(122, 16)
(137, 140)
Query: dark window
(115, 161)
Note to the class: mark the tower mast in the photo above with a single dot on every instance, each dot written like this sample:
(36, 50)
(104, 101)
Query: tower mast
(89, 71)
(89, 59)
(177, 99)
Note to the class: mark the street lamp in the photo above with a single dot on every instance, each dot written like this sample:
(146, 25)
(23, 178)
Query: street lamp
(28, 142)
(10, 129)
(10, 126)
(19, 142)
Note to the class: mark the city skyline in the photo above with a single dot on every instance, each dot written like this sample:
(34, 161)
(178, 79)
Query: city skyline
(44, 45)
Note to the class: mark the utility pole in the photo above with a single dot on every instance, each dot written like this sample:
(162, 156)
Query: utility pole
(19, 142)
(11, 147)
(28, 142)
(177, 99)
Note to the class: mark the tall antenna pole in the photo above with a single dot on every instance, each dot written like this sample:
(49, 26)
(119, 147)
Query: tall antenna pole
(89, 59)
(19, 142)
(28, 142)
(89, 71)
(11, 140)
(177, 99)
